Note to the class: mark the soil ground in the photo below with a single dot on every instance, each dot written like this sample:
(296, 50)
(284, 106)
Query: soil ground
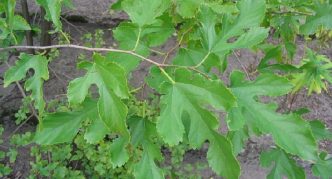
(90, 16)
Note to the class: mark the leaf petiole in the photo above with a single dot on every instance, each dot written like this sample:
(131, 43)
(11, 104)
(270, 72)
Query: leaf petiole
(167, 75)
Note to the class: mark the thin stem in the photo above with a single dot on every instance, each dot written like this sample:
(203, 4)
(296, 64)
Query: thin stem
(137, 89)
(292, 12)
(157, 52)
(138, 39)
(83, 48)
(65, 36)
(193, 68)
(242, 66)
(167, 75)
(21, 125)
(200, 72)
(178, 44)
(204, 59)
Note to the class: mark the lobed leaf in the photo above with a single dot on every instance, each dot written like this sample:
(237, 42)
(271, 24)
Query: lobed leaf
(266, 119)
(283, 165)
(322, 17)
(35, 83)
(53, 11)
(111, 81)
(142, 132)
(62, 127)
(184, 111)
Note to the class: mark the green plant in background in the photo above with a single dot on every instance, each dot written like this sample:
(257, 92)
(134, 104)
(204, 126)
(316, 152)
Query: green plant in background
(21, 114)
(316, 73)
(4, 169)
(108, 133)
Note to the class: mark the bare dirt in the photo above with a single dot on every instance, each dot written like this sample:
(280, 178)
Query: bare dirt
(94, 15)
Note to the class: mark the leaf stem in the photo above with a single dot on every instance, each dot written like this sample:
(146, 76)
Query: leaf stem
(138, 39)
(242, 66)
(177, 45)
(65, 36)
(167, 75)
(204, 59)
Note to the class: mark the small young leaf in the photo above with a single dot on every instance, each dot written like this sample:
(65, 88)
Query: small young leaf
(315, 69)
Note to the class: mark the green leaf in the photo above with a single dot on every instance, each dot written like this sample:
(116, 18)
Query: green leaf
(184, 110)
(238, 139)
(252, 37)
(12, 154)
(185, 99)
(112, 84)
(191, 56)
(289, 131)
(62, 127)
(238, 114)
(221, 7)
(35, 83)
(127, 34)
(243, 32)
(142, 132)
(140, 39)
(320, 131)
(9, 8)
(11, 23)
(251, 15)
(283, 165)
(53, 11)
(119, 154)
(146, 167)
(323, 167)
(322, 17)
(96, 131)
(221, 157)
(315, 70)
(187, 8)
(20, 23)
(144, 12)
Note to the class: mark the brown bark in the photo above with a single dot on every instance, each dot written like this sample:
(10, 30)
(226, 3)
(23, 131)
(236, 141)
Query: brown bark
(28, 33)
(45, 39)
